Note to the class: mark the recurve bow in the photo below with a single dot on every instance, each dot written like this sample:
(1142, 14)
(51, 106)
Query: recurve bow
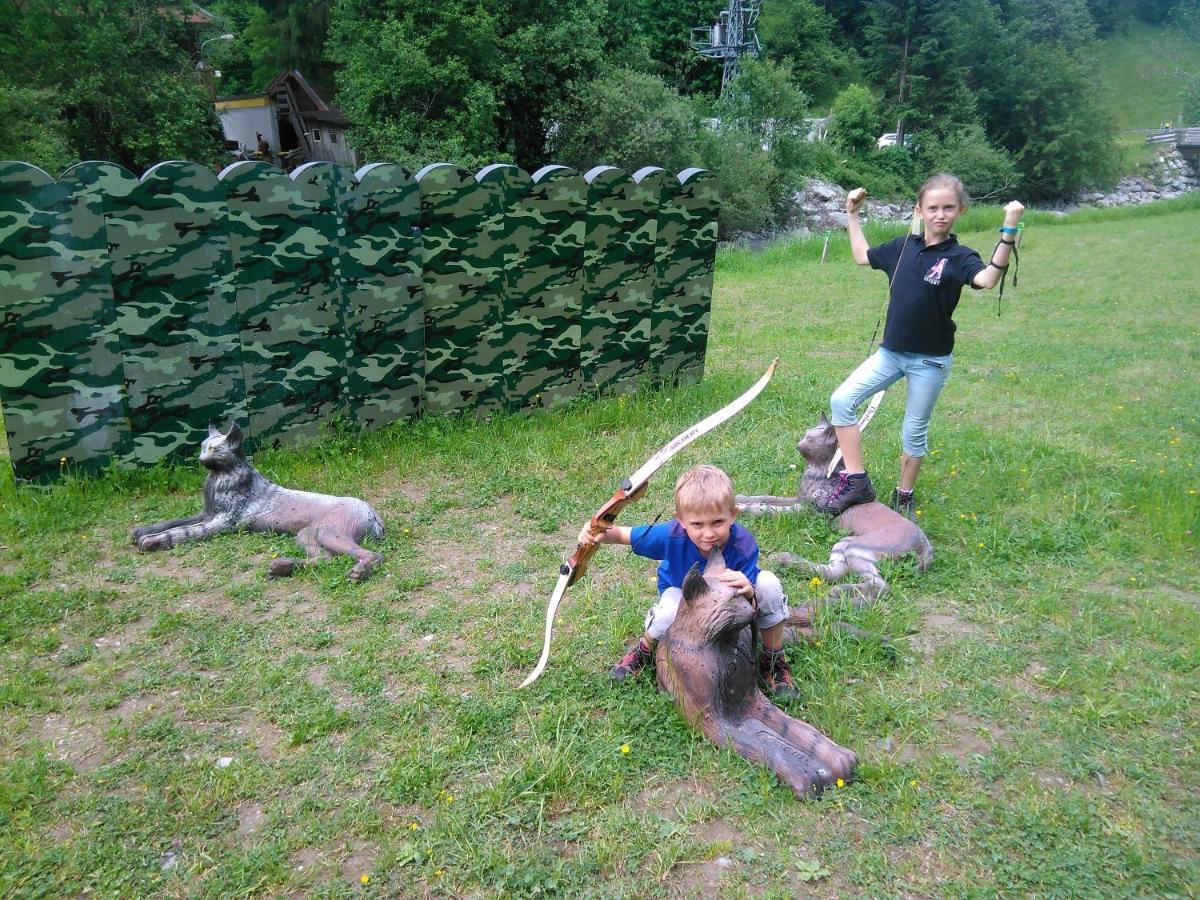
(632, 488)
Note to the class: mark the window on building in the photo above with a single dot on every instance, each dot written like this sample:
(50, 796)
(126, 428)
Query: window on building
(316, 133)
(333, 136)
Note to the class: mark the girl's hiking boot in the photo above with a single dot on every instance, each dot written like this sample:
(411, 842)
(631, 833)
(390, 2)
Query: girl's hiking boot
(775, 675)
(632, 662)
(850, 490)
(904, 503)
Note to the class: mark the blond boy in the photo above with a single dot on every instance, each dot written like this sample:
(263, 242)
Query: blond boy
(704, 519)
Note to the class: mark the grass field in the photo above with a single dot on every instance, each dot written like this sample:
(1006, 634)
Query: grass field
(177, 725)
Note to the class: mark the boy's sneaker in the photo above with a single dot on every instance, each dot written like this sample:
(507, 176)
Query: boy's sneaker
(850, 490)
(776, 675)
(904, 503)
(632, 662)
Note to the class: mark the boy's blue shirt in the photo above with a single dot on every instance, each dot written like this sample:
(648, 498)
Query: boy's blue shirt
(668, 541)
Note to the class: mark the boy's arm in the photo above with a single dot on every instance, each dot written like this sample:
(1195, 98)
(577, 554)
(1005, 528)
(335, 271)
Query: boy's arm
(604, 534)
(858, 241)
(989, 276)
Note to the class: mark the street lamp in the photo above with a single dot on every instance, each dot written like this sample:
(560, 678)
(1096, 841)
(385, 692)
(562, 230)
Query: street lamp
(203, 71)
(219, 37)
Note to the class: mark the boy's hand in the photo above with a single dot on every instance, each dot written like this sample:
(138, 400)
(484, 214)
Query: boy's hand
(1012, 213)
(854, 199)
(592, 533)
(738, 581)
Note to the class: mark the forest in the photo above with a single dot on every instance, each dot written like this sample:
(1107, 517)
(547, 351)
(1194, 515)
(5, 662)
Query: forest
(1003, 92)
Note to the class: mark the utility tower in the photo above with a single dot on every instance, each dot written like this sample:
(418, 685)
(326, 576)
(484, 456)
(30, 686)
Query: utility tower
(733, 36)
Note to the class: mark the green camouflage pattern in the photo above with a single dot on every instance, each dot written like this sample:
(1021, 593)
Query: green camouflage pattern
(507, 187)
(383, 290)
(168, 241)
(61, 381)
(284, 244)
(463, 292)
(671, 274)
(619, 271)
(690, 269)
(657, 185)
(136, 311)
(544, 286)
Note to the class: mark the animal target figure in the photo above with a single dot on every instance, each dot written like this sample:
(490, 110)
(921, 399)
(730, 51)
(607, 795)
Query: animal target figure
(237, 496)
(706, 663)
(876, 532)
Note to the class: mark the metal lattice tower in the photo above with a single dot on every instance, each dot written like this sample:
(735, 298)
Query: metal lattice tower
(733, 36)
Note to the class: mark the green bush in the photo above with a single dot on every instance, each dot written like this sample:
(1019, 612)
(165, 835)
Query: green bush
(985, 170)
(856, 121)
(628, 119)
(749, 180)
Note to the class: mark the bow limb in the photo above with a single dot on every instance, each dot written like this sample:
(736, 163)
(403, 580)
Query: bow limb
(631, 489)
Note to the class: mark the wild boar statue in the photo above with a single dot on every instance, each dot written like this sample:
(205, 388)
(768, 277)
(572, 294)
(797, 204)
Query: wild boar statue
(706, 663)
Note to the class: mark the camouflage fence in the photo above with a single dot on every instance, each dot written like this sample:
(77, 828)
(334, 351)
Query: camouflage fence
(136, 311)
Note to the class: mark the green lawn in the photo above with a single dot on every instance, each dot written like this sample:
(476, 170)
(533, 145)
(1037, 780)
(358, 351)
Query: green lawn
(1036, 733)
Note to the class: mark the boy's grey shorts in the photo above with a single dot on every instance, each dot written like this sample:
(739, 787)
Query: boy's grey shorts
(772, 606)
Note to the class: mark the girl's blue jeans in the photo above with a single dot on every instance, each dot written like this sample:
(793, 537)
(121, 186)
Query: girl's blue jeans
(925, 375)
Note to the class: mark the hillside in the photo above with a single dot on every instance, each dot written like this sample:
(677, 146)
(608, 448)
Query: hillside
(1136, 80)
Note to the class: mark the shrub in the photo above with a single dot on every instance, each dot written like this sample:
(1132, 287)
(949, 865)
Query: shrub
(985, 170)
(627, 119)
(856, 122)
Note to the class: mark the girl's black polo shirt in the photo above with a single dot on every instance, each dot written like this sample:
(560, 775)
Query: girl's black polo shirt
(925, 291)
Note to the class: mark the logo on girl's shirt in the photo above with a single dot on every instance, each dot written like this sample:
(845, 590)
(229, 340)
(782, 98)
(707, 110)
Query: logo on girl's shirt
(934, 275)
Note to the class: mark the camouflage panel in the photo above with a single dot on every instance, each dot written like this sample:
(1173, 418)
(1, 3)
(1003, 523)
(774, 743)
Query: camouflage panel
(692, 268)
(61, 382)
(670, 309)
(168, 243)
(545, 285)
(505, 341)
(381, 276)
(658, 185)
(462, 291)
(619, 265)
(284, 246)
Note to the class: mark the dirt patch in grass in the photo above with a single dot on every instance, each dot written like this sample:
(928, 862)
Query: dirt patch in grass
(670, 800)
(966, 736)
(361, 861)
(251, 819)
(318, 677)
(703, 878)
(268, 739)
(939, 629)
(77, 741)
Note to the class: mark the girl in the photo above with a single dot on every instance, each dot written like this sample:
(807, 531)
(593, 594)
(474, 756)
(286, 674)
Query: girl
(927, 276)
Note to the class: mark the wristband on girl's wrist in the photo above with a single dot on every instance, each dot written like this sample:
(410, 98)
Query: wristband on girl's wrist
(1008, 229)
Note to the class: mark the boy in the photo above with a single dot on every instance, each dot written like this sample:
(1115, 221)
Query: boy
(704, 518)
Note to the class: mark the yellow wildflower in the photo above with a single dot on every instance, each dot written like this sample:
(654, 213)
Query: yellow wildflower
(814, 581)
(365, 879)
(841, 783)
(624, 748)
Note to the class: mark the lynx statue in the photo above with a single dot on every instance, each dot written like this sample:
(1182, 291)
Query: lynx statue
(876, 532)
(237, 496)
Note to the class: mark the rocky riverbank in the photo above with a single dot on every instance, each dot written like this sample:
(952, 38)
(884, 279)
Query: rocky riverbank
(821, 205)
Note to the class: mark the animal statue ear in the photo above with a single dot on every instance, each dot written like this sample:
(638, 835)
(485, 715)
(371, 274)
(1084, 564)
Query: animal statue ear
(693, 584)
(234, 434)
(715, 564)
(213, 430)
(824, 422)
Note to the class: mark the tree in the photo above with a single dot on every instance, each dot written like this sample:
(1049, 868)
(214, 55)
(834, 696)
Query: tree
(35, 132)
(1055, 125)
(120, 71)
(800, 33)
(628, 119)
(855, 119)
